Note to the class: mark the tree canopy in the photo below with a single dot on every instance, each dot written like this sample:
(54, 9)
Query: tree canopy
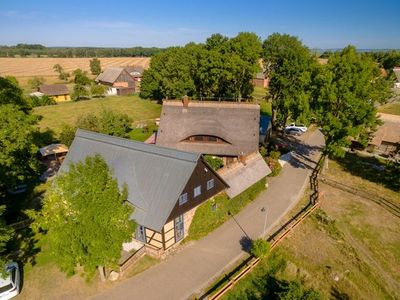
(95, 66)
(85, 218)
(222, 68)
(347, 89)
(18, 162)
(6, 234)
(289, 66)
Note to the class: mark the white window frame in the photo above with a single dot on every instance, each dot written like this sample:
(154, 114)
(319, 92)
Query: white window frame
(210, 184)
(197, 191)
(183, 198)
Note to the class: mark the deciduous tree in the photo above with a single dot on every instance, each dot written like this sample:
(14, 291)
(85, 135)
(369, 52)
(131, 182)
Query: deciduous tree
(95, 66)
(85, 217)
(346, 93)
(289, 65)
(18, 162)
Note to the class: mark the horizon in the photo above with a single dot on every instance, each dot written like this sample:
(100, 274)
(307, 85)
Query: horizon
(326, 26)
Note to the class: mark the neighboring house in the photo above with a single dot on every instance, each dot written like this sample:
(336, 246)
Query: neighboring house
(229, 130)
(165, 186)
(136, 72)
(118, 81)
(396, 71)
(387, 137)
(265, 129)
(59, 92)
(261, 80)
(52, 156)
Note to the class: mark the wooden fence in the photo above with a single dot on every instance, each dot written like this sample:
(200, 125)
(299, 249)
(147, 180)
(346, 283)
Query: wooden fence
(274, 239)
(391, 207)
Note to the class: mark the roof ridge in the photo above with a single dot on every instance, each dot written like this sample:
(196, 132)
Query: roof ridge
(151, 149)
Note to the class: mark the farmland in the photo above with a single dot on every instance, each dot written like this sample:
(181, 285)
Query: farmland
(33, 66)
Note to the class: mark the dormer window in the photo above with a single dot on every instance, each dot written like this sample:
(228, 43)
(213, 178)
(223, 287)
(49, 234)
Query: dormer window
(205, 139)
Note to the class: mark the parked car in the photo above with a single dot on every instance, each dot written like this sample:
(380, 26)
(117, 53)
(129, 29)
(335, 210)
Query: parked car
(298, 126)
(19, 189)
(294, 131)
(9, 286)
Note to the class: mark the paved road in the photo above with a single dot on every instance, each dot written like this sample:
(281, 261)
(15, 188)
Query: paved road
(194, 267)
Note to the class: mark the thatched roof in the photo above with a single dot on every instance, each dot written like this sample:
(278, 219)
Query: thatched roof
(236, 125)
(54, 89)
(396, 71)
(389, 131)
(110, 75)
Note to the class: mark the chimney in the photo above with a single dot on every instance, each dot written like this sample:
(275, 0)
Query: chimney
(185, 101)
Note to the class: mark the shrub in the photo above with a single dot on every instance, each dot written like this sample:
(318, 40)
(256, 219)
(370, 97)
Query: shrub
(263, 151)
(274, 165)
(295, 290)
(41, 101)
(214, 162)
(67, 135)
(260, 248)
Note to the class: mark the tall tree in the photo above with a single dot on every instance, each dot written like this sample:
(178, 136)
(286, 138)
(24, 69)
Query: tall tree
(6, 234)
(85, 217)
(95, 66)
(62, 75)
(345, 96)
(81, 77)
(80, 92)
(35, 82)
(168, 76)
(11, 93)
(18, 162)
(289, 65)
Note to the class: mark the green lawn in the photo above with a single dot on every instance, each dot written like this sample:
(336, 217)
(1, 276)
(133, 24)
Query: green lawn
(54, 116)
(206, 219)
(390, 108)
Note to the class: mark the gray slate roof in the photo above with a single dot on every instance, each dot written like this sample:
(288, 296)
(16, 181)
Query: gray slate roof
(155, 176)
(110, 75)
(236, 123)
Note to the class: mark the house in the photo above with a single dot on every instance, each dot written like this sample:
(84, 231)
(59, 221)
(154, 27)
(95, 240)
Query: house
(265, 129)
(387, 137)
(225, 129)
(59, 92)
(261, 80)
(136, 72)
(165, 186)
(396, 71)
(118, 81)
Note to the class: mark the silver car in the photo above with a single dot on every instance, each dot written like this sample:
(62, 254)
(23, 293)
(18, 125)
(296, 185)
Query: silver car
(9, 286)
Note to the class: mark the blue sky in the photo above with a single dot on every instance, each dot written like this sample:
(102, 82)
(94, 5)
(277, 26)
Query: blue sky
(320, 24)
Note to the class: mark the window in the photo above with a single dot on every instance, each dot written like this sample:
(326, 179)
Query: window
(197, 191)
(179, 229)
(210, 184)
(140, 233)
(183, 198)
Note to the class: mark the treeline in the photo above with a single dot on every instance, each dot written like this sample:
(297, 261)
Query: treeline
(220, 68)
(37, 50)
(339, 96)
(386, 59)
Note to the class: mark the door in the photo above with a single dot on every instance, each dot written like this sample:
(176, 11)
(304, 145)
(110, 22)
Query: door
(179, 229)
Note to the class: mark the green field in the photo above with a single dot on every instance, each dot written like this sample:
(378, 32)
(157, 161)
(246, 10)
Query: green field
(54, 116)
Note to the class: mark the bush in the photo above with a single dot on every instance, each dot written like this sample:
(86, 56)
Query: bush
(214, 162)
(41, 101)
(274, 165)
(260, 248)
(295, 290)
(263, 151)
(67, 135)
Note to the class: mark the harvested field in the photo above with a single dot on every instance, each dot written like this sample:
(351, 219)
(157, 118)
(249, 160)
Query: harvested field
(34, 66)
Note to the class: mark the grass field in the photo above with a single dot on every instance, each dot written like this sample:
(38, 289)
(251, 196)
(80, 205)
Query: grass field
(348, 249)
(54, 116)
(34, 66)
(390, 108)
